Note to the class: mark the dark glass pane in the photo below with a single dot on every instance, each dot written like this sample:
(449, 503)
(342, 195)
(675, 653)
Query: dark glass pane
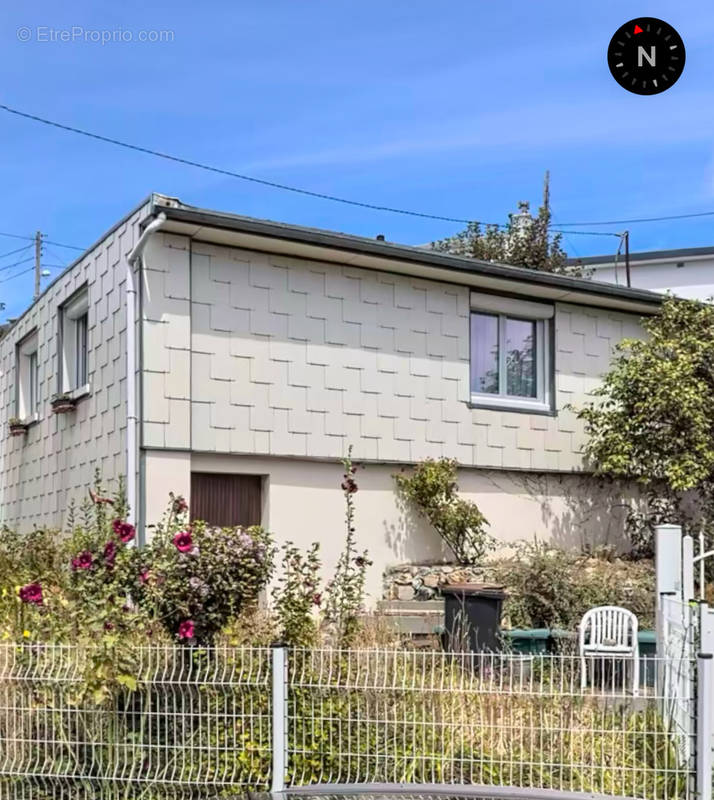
(521, 358)
(484, 354)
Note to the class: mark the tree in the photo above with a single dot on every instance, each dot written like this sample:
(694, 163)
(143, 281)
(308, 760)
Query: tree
(652, 419)
(525, 242)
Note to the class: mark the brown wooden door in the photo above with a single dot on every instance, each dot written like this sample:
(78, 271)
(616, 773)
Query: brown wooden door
(225, 500)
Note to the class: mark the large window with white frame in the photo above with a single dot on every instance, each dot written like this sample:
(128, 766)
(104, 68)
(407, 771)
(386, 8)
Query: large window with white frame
(74, 343)
(511, 361)
(28, 379)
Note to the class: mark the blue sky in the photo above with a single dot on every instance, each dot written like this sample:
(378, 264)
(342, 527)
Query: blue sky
(451, 108)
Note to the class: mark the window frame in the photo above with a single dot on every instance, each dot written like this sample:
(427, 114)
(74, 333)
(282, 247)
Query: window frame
(505, 308)
(73, 372)
(27, 394)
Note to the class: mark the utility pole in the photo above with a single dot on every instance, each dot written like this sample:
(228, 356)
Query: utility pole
(627, 259)
(38, 259)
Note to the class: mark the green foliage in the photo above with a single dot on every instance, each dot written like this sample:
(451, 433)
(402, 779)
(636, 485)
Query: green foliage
(652, 419)
(525, 242)
(548, 587)
(344, 594)
(296, 595)
(432, 487)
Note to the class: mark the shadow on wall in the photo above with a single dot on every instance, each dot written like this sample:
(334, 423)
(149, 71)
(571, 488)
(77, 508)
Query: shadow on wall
(412, 538)
(583, 512)
(575, 512)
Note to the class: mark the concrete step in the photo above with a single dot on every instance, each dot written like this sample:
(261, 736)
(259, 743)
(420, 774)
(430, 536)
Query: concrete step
(413, 617)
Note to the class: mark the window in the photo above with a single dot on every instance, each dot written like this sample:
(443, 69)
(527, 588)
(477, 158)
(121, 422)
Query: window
(28, 379)
(74, 343)
(510, 353)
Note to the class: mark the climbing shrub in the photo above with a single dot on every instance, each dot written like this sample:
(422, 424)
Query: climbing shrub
(433, 488)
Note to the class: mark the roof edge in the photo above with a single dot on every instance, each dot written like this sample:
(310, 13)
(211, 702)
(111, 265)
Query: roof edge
(204, 218)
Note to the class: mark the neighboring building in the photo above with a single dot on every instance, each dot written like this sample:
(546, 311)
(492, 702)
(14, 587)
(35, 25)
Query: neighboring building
(261, 351)
(688, 272)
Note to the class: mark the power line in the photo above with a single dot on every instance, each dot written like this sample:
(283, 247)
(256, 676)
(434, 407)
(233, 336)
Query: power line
(13, 252)
(319, 195)
(252, 179)
(32, 239)
(643, 219)
(221, 171)
(17, 263)
(18, 274)
(68, 246)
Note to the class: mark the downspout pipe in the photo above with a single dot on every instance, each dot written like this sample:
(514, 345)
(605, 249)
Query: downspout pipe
(133, 258)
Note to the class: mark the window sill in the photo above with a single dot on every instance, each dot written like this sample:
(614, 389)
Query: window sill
(79, 392)
(511, 404)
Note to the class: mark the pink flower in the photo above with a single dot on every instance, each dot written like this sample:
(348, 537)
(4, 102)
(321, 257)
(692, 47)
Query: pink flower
(186, 629)
(83, 561)
(317, 599)
(183, 541)
(110, 554)
(31, 593)
(124, 530)
(144, 577)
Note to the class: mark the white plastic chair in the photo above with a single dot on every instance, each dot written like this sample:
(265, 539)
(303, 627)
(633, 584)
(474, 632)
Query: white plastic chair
(609, 631)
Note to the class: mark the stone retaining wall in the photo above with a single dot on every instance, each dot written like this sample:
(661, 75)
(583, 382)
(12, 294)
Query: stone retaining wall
(422, 582)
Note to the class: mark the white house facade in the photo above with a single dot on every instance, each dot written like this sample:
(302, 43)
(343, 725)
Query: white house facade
(235, 361)
(687, 272)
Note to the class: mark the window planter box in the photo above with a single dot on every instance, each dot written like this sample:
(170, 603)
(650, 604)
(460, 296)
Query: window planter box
(17, 427)
(63, 404)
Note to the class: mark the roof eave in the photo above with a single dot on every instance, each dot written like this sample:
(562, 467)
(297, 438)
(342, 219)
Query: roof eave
(320, 245)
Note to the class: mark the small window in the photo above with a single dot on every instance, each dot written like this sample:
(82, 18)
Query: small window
(28, 379)
(74, 343)
(510, 353)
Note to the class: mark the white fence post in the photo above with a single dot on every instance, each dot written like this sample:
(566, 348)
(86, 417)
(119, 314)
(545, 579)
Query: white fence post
(705, 699)
(688, 568)
(668, 559)
(280, 717)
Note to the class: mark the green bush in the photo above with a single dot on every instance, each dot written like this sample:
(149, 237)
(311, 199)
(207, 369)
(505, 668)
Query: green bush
(432, 487)
(548, 587)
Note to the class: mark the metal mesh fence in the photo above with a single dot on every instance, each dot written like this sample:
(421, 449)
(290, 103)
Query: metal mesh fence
(488, 719)
(678, 645)
(197, 722)
(178, 721)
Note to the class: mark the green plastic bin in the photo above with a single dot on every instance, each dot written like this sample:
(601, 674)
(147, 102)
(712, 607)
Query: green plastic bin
(531, 641)
(648, 650)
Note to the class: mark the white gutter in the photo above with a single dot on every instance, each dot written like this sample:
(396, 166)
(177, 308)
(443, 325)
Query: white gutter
(134, 257)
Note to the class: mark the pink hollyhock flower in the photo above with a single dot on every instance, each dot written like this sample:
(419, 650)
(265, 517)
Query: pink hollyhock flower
(83, 561)
(110, 554)
(186, 629)
(124, 530)
(183, 541)
(31, 593)
(317, 598)
(144, 577)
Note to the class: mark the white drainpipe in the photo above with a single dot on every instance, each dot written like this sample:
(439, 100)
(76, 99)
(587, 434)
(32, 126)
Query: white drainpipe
(134, 257)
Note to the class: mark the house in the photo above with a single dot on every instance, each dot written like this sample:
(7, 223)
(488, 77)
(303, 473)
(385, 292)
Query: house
(687, 272)
(234, 360)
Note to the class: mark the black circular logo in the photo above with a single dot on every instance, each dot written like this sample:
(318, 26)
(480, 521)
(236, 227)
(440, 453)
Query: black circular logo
(646, 56)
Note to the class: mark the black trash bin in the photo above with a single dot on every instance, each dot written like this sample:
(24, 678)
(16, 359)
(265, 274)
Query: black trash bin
(472, 616)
